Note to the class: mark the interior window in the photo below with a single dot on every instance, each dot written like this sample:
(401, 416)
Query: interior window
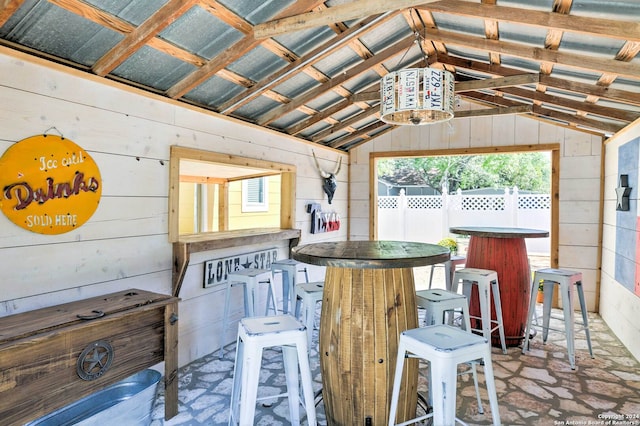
(212, 192)
(255, 195)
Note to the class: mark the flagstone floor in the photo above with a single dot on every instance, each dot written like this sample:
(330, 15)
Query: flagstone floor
(534, 389)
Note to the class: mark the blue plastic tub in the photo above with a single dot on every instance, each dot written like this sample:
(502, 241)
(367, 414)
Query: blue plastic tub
(127, 402)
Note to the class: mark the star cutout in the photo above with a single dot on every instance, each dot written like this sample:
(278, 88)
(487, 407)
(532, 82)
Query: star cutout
(96, 357)
(622, 193)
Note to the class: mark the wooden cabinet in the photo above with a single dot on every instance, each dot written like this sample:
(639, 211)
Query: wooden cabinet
(53, 356)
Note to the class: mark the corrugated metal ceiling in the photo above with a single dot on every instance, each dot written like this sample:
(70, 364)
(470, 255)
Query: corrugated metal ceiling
(319, 83)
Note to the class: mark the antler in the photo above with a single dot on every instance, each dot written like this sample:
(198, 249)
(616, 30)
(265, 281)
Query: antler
(338, 168)
(322, 172)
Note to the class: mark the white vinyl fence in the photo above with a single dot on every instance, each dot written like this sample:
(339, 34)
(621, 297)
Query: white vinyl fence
(427, 218)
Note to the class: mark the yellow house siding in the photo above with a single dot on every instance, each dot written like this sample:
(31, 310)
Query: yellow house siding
(243, 220)
(187, 193)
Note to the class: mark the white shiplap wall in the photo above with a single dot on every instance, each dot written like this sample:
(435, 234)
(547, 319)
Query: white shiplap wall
(579, 176)
(619, 307)
(125, 244)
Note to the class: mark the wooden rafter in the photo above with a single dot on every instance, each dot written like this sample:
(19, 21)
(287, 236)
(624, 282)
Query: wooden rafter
(8, 8)
(575, 101)
(340, 13)
(141, 35)
(557, 20)
(573, 60)
(232, 53)
(302, 63)
(340, 79)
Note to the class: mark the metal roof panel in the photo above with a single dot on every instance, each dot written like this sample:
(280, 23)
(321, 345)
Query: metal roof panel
(256, 12)
(134, 11)
(51, 29)
(153, 68)
(257, 64)
(213, 92)
(187, 32)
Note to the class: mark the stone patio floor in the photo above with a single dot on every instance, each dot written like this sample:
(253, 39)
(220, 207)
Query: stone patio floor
(534, 389)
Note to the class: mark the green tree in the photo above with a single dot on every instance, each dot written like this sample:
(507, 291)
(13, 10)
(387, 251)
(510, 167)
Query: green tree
(527, 171)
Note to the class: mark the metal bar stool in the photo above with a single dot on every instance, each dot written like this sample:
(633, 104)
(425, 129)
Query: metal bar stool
(566, 280)
(444, 347)
(449, 269)
(487, 282)
(436, 304)
(250, 280)
(289, 269)
(255, 334)
(308, 295)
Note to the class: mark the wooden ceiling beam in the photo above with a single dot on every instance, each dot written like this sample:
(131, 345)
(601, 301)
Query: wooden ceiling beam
(343, 124)
(232, 53)
(494, 83)
(364, 132)
(362, 67)
(573, 60)
(557, 20)
(8, 8)
(550, 114)
(306, 61)
(114, 23)
(586, 107)
(157, 22)
(202, 74)
(577, 120)
(340, 13)
(518, 109)
(559, 83)
(490, 83)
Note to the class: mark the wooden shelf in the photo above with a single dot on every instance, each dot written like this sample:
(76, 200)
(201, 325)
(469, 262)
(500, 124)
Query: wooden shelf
(195, 243)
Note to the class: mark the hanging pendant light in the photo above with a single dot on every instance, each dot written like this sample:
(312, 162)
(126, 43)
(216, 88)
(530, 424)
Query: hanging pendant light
(417, 95)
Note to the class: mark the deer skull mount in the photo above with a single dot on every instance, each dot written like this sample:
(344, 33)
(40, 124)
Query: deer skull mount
(329, 184)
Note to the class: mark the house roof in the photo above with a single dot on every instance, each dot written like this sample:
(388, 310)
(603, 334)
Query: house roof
(312, 69)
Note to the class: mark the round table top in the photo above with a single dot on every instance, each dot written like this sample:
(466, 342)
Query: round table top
(371, 254)
(499, 232)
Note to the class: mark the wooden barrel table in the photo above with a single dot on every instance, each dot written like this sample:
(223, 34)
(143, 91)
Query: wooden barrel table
(503, 250)
(368, 300)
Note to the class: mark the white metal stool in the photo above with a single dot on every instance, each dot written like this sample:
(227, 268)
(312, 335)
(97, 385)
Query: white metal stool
(437, 302)
(250, 280)
(444, 347)
(566, 280)
(449, 269)
(255, 334)
(308, 295)
(289, 269)
(487, 282)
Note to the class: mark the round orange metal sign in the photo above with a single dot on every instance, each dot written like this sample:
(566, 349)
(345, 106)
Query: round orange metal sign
(49, 184)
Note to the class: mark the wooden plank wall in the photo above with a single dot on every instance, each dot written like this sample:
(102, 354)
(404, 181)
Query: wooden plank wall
(125, 243)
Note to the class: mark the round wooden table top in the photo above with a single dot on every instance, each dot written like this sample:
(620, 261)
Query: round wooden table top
(371, 254)
(499, 232)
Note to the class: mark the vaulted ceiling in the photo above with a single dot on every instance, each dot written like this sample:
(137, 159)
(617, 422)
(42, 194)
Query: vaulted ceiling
(312, 69)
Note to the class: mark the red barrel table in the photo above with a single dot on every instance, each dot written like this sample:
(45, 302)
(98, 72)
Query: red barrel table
(503, 250)
(368, 300)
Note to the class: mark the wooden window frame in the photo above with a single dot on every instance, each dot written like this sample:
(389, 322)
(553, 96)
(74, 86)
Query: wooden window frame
(287, 184)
